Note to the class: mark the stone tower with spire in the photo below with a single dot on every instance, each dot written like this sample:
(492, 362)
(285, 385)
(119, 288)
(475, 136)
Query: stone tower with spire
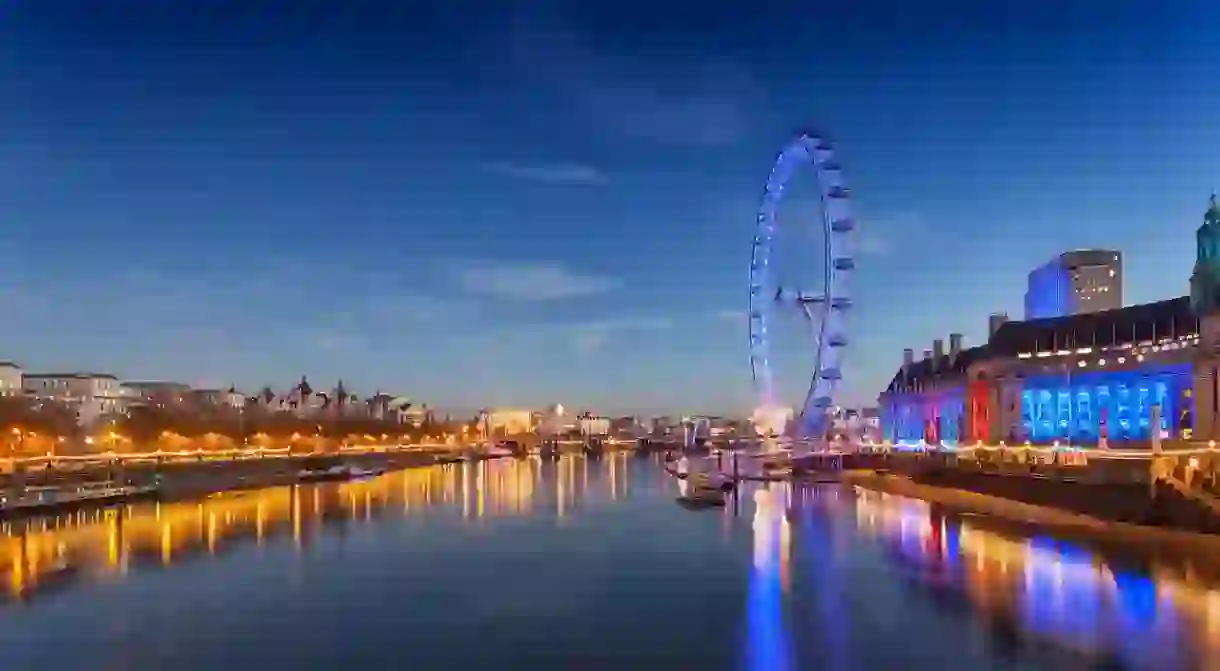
(1205, 301)
(1205, 280)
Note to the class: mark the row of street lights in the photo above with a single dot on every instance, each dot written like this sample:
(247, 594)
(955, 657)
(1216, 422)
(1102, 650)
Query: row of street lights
(111, 440)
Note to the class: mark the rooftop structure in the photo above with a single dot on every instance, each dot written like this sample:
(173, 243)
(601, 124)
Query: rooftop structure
(1080, 281)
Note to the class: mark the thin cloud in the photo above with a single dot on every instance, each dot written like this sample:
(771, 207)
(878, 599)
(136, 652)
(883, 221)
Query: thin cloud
(871, 241)
(557, 174)
(872, 245)
(590, 341)
(690, 102)
(584, 337)
(530, 281)
(703, 119)
(590, 337)
(331, 340)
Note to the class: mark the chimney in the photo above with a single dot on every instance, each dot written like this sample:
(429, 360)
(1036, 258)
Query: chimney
(994, 322)
(955, 346)
(938, 351)
(908, 359)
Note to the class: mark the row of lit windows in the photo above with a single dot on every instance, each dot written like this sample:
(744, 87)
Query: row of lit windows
(1121, 353)
(1138, 349)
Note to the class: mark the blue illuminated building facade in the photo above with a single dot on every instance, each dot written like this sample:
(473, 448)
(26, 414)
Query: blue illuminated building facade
(1049, 292)
(1071, 410)
(1055, 380)
(1069, 378)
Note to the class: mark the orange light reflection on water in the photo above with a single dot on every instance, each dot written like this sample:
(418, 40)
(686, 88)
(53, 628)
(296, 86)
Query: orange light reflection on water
(39, 552)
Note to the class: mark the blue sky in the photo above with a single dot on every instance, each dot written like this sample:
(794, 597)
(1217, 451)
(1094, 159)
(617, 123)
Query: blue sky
(516, 203)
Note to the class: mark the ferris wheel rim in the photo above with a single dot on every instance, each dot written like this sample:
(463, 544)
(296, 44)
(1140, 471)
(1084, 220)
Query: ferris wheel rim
(807, 148)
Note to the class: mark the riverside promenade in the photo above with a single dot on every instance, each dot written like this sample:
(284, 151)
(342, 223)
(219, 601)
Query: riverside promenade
(1174, 487)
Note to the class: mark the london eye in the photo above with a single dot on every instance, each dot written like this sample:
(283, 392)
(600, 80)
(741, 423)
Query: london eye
(785, 287)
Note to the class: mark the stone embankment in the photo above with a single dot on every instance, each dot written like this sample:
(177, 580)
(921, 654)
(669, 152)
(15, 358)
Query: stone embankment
(184, 479)
(1101, 513)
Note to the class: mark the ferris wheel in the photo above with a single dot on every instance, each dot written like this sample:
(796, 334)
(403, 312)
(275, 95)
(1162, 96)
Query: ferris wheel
(822, 309)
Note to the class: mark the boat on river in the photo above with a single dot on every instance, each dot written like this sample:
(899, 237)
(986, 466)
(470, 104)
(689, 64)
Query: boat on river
(717, 482)
(358, 473)
(328, 469)
(696, 499)
(44, 499)
(328, 474)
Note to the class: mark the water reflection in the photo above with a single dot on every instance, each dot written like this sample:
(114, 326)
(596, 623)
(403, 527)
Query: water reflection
(600, 558)
(1164, 614)
(768, 647)
(47, 553)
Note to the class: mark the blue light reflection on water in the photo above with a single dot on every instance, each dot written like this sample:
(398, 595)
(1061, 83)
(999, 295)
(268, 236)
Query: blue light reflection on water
(822, 552)
(1059, 593)
(768, 646)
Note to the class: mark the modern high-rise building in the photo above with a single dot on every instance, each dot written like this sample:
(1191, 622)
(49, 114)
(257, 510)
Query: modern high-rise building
(1077, 282)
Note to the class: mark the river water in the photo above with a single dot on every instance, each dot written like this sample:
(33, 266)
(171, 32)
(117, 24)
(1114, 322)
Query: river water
(581, 564)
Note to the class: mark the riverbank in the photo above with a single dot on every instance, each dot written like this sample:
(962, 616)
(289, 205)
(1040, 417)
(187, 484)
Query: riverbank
(183, 480)
(189, 480)
(1039, 517)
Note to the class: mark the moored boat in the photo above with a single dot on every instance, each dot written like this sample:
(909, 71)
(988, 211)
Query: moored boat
(43, 499)
(336, 472)
(717, 482)
(358, 472)
(701, 498)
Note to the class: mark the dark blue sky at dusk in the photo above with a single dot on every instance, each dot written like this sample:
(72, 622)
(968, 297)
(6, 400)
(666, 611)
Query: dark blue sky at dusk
(506, 203)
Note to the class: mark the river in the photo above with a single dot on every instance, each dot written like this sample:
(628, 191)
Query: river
(584, 563)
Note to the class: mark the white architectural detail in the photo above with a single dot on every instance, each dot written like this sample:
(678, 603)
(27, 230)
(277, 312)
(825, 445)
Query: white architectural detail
(10, 379)
(92, 395)
(508, 422)
(593, 426)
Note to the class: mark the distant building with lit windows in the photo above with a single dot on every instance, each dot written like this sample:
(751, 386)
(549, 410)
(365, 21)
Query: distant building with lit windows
(93, 396)
(1064, 377)
(1078, 282)
(11, 379)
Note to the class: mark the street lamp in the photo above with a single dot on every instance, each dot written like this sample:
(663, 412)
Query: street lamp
(20, 447)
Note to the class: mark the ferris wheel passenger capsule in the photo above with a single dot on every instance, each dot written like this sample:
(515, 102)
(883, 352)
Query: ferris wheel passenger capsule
(842, 225)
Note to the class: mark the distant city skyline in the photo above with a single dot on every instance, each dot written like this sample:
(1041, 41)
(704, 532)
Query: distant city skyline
(514, 207)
